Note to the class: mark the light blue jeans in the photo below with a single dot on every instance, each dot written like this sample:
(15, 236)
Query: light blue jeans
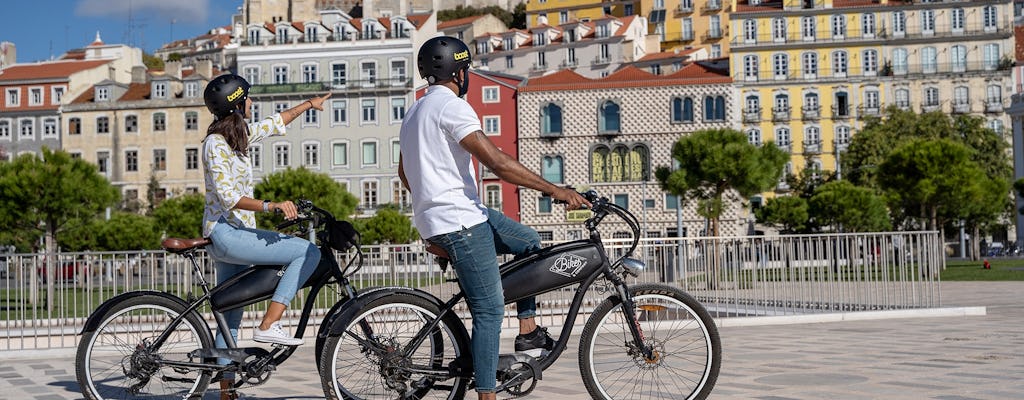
(235, 249)
(474, 255)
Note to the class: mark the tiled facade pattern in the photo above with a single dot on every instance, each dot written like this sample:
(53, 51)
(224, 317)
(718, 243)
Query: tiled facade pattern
(646, 119)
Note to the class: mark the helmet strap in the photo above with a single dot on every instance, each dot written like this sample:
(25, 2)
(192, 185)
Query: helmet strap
(463, 77)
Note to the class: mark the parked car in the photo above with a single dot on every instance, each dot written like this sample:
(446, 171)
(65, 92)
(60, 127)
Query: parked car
(67, 271)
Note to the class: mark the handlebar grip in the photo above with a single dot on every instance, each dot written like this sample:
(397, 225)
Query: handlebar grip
(286, 224)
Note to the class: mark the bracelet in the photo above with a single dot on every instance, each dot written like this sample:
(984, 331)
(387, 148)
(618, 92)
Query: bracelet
(266, 205)
(310, 103)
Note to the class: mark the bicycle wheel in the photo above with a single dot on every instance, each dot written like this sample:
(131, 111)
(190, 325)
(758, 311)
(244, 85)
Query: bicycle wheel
(366, 361)
(687, 350)
(112, 361)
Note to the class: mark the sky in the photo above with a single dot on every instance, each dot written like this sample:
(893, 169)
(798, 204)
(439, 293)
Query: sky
(45, 29)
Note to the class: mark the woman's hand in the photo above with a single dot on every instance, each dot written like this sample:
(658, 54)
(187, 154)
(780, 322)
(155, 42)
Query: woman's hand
(287, 207)
(318, 102)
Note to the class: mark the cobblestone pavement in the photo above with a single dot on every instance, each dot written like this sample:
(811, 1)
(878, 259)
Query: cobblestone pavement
(945, 358)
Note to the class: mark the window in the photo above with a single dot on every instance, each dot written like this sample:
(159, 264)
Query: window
(192, 158)
(810, 65)
(74, 126)
(956, 20)
(56, 94)
(551, 119)
(842, 135)
(309, 74)
(280, 107)
(996, 126)
(311, 155)
(899, 23)
(838, 26)
(714, 26)
(991, 56)
(867, 25)
(754, 137)
(254, 111)
(369, 110)
(812, 135)
(809, 28)
(782, 137)
(281, 156)
(872, 100)
(27, 128)
(508, 62)
(13, 97)
(779, 29)
(102, 93)
(35, 96)
(781, 103)
(780, 65)
(490, 94)
(750, 31)
(753, 105)
(902, 98)
(839, 63)
(931, 97)
(102, 125)
(750, 64)
(311, 117)
(492, 197)
(192, 120)
(400, 196)
(682, 109)
(989, 18)
(49, 127)
(621, 200)
(492, 125)
(282, 35)
(869, 60)
(280, 74)
(928, 22)
(714, 108)
(339, 154)
(687, 33)
(570, 56)
(958, 58)
(396, 152)
(369, 71)
(544, 205)
(339, 112)
(929, 60)
(811, 102)
(131, 123)
(256, 156)
(551, 169)
(131, 161)
(608, 119)
(397, 109)
(994, 95)
(671, 201)
(103, 161)
(252, 75)
(541, 59)
(159, 160)
(370, 194)
(369, 153)
(159, 90)
(338, 75)
(961, 98)
(191, 89)
(899, 61)
(159, 121)
(312, 33)
(398, 72)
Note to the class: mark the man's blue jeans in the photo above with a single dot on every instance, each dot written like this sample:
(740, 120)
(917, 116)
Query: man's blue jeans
(474, 255)
(235, 249)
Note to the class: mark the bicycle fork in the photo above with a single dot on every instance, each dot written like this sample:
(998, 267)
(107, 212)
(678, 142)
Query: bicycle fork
(629, 311)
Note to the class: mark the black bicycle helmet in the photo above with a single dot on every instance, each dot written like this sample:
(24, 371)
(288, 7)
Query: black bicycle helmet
(441, 58)
(224, 94)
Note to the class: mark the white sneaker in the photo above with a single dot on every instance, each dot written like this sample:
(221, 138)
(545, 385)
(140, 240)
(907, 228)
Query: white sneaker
(276, 335)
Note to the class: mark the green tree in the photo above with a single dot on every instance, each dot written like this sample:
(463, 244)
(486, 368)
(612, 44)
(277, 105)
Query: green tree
(300, 183)
(126, 231)
(388, 225)
(152, 62)
(855, 209)
(152, 188)
(515, 19)
(789, 213)
(180, 216)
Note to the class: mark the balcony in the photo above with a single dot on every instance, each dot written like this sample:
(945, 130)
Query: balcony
(840, 112)
(929, 106)
(684, 9)
(946, 68)
(289, 88)
(712, 6)
(841, 145)
(780, 113)
(811, 113)
(961, 107)
(687, 36)
(539, 67)
(994, 106)
(752, 114)
(599, 60)
(713, 34)
(869, 111)
(786, 147)
(812, 146)
(350, 84)
(903, 105)
(569, 64)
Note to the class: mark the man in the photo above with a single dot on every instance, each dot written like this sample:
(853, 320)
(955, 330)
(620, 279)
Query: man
(439, 136)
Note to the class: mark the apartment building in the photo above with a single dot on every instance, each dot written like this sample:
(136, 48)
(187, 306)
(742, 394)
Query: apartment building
(465, 29)
(593, 49)
(808, 73)
(30, 115)
(149, 128)
(609, 134)
(367, 64)
(214, 45)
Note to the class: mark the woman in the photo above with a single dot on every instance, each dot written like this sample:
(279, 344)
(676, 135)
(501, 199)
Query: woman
(228, 218)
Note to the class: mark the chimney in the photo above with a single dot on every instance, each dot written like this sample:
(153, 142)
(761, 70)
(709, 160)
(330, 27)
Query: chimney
(139, 74)
(205, 68)
(173, 69)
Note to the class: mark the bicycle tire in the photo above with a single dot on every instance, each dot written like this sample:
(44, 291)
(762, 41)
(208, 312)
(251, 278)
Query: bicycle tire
(106, 353)
(610, 371)
(394, 318)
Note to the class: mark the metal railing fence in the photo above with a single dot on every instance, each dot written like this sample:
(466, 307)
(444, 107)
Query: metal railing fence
(733, 276)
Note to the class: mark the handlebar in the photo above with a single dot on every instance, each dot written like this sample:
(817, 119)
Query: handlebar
(601, 207)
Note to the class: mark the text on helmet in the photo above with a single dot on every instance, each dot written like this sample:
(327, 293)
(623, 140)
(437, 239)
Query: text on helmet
(462, 55)
(236, 94)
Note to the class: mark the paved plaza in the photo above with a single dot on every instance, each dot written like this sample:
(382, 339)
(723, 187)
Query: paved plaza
(945, 358)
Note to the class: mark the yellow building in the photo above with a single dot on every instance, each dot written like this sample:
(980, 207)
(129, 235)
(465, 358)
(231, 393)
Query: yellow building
(808, 73)
(681, 24)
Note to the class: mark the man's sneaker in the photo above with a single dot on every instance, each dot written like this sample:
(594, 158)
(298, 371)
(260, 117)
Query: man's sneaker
(275, 335)
(534, 343)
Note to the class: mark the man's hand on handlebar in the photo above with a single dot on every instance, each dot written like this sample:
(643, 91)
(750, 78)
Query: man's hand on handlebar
(286, 207)
(571, 198)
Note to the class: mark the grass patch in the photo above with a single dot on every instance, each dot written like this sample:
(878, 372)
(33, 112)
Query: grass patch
(1002, 270)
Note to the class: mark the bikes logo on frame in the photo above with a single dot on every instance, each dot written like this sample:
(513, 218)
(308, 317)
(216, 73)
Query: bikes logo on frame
(568, 265)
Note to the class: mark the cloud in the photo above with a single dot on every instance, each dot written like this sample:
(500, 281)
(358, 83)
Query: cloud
(195, 11)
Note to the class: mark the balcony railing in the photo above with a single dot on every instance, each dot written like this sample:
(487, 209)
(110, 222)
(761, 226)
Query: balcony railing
(568, 63)
(684, 9)
(812, 146)
(811, 112)
(994, 106)
(359, 36)
(945, 68)
(752, 114)
(713, 34)
(350, 84)
(780, 113)
(840, 144)
(929, 106)
(539, 67)
(601, 60)
(712, 5)
(786, 147)
(796, 36)
(961, 107)
(840, 112)
(902, 105)
(687, 36)
(869, 111)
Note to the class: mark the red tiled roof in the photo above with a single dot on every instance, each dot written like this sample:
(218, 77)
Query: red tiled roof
(136, 91)
(356, 23)
(47, 70)
(458, 22)
(270, 27)
(625, 24)
(418, 20)
(85, 97)
(1018, 39)
(669, 54)
(628, 77)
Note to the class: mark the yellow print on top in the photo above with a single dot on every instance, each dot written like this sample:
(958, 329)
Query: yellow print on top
(462, 55)
(234, 95)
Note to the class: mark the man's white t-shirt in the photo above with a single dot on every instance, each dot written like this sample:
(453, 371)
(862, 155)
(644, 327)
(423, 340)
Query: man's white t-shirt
(439, 171)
